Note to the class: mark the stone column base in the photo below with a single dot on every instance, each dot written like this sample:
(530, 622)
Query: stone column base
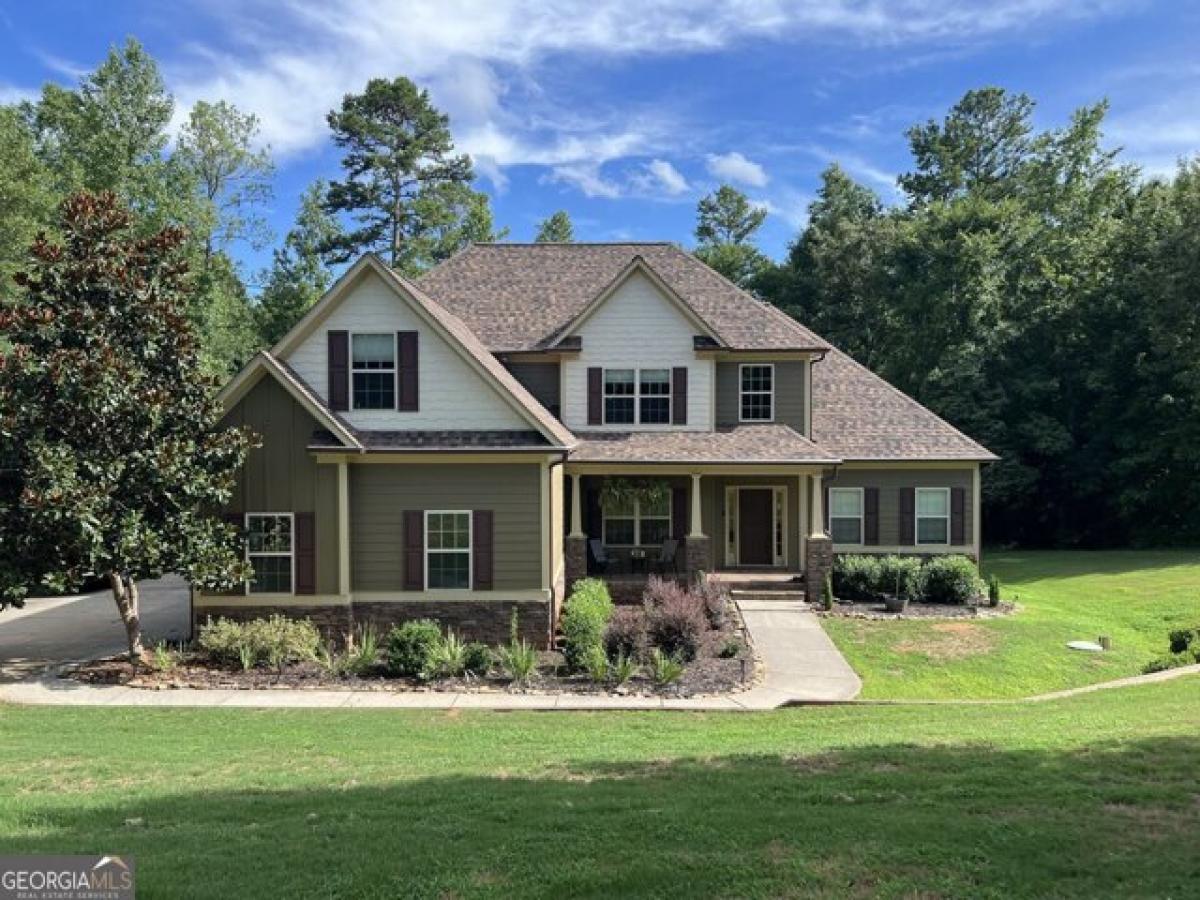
(697, 556)
(819, 565)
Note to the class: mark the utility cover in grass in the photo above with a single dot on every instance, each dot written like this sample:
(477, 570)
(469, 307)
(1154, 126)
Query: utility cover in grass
(1089, 646)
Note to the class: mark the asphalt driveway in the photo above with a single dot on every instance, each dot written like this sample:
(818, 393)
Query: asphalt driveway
(52, 630)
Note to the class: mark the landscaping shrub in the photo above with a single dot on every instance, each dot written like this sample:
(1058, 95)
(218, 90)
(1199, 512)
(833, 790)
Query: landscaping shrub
(903, 576)
(857, 577)
(448, 657)
(1181, 639)
(665, 668)
(950, 579)
(993, 590)
(222, 639)
(715, 597)
(410, 648)
(585, 616)
(827, 593)
(277, 641)
(626, 633)
(1185, 650)
(478, 659)
(730, 649)
(623, 668)
(519, 661)
(676, 623)
(595, 663)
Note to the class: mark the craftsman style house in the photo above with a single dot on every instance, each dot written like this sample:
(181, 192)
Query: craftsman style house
(471, 442)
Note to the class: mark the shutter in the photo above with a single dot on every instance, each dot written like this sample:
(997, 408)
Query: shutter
(408, 393)
(871, 516)
(594, 521)
(306, 553)
(595, 400)
(907, 523)
(958, 515)
(679, 398)
(414, 550)
(481, 549)
(339, 370)
(679, 512)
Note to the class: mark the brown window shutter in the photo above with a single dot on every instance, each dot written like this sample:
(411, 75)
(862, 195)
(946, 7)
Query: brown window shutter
(339, 370)
(408, 394)
(958, 515)
(679, 398)
(595, 395)
(414, 550)
(871, 516)
(679, 513)
(482, 554)
(907, 523)
(306, 553)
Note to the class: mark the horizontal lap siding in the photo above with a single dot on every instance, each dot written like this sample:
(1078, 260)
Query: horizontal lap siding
(791, 393)
(282, 476)
(890, 481)
(379, 494)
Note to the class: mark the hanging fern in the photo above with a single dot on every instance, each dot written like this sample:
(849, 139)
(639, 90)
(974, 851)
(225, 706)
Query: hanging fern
(618, 493)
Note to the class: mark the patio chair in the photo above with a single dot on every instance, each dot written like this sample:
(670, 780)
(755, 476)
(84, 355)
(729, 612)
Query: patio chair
(599, 555)
(667, 558)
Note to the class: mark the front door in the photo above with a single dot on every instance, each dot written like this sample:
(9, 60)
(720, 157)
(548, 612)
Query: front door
(754, 527)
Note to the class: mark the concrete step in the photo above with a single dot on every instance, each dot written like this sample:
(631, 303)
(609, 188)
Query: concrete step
(794, 595)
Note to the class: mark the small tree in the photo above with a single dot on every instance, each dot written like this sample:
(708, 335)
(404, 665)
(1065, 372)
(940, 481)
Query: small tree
(114, 460)
(557, 229)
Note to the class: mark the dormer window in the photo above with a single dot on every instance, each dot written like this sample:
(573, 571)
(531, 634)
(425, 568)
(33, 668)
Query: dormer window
(757, 399)
(637, 396)
(373, 371)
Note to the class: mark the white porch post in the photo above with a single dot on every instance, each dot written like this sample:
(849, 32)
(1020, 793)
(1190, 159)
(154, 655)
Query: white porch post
(818, 509)
(343, 495)
(576, 511)
(697, 530)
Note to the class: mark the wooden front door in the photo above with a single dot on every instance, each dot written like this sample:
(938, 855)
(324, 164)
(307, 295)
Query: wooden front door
(754, 527)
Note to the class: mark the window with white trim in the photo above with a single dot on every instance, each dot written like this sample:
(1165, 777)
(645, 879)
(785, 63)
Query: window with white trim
(637, 396)
(933, 515)
(270, 553)
(373, 371)
(638, 523)
(846, 515)
(757, 392)
(448, 549)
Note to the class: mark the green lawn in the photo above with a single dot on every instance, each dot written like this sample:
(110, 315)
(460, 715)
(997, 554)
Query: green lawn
(1098, 795)
(1135, 597)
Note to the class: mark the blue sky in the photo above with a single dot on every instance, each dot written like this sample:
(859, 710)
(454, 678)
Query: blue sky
(625, 114)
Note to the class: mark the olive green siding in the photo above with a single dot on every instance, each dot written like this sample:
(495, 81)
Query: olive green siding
(890, 481)
(282, 476)
(791, 393)
(379, 494)
(716, 523)
(542, 380)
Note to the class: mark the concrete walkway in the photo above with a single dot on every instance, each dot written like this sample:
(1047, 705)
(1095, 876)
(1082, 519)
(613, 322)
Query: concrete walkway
(801, 665)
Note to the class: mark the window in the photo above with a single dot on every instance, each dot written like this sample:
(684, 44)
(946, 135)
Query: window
(448, 550)
(373, 365)
(640, 524)
(757, 392)
(637, 396)
(846, 515)
(933, 515)
(269, 552)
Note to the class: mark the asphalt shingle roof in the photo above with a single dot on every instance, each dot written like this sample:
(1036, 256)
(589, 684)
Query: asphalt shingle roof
(739, 444)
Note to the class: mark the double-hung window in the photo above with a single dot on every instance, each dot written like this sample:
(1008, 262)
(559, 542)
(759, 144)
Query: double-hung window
(373, 368)
(846, 515)
(269, 550)
(638, 523)
(757, 392)
(933, 515)
(448, 549)
(637, 396)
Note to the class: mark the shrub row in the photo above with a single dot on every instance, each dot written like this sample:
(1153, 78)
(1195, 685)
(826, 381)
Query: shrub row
(939, 579)
(1184, 647)
(275, 641)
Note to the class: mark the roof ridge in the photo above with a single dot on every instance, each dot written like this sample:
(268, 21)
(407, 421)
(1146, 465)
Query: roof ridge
(572, 244)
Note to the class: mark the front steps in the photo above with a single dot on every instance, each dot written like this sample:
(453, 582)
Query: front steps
(766, 587)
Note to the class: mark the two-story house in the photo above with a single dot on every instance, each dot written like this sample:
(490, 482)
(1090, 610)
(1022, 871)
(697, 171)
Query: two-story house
(472, 442)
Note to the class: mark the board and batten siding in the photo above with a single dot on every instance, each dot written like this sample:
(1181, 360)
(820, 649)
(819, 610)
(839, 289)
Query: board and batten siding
(282, 476)
(380, 493)
(791, 393)
(638, 327)
(452, 394)
(542, 379)
(890, 481)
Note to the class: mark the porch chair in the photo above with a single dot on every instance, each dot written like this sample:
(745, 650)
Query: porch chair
(599, 555)
(667, 557)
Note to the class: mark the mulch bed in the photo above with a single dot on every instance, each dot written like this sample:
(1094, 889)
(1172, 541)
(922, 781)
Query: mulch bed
(852, 609)
(706, 675)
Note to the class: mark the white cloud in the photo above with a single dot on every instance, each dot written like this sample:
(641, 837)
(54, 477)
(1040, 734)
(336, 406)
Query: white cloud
(10, 93)
(735, 167)
(666, 177)
(587, 178)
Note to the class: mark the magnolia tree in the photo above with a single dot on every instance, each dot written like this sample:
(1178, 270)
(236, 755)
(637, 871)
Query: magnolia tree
(112, 459)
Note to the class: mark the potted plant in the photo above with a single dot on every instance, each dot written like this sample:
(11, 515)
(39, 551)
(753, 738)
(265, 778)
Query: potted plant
(897, 602)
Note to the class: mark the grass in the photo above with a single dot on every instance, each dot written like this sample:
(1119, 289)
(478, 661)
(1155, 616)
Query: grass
(1098, 795)
(1134, 597)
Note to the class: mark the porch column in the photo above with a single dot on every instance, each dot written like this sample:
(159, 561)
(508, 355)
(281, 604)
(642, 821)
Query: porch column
(817, 528)
(576, 506)
(697, 526)
(818, 563)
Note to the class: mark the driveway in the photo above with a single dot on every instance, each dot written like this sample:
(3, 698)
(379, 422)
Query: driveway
(52, 630)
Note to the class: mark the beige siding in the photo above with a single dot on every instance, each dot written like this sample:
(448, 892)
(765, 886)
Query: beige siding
(452, 394)
(281, 476)
(890, 481)
(638, 327)
(380, 493)
(791, 393)
(542, 380)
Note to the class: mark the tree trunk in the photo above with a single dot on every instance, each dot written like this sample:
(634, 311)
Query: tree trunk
(125, 593)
